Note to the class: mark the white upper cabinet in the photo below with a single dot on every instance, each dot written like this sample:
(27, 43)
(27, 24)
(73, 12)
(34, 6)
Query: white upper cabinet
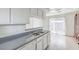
(33, 12)
(19, 15)
(39, 13)
(43, 14)
(4, 16)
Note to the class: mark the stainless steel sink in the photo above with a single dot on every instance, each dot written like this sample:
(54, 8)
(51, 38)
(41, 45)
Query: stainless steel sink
(37, 33)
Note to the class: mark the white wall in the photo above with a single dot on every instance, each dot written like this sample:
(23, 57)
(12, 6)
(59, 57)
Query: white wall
(69, 21)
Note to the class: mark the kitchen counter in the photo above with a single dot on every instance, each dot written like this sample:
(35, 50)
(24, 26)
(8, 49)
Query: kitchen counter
(32, 37)
(13, 42)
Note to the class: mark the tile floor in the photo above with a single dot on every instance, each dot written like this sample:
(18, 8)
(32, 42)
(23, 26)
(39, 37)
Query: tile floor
(60, 42)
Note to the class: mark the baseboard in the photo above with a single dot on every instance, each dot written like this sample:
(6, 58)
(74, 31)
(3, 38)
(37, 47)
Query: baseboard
(68, 35)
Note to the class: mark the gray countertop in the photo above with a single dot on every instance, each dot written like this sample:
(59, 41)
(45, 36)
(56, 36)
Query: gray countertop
(15, 41)
(31, 38)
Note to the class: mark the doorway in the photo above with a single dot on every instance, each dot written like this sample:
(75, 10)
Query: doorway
(57, 32)
(57, 25)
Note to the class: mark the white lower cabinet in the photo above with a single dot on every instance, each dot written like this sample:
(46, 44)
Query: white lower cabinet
(48, 38)
(29, 46)
(40, 43)
(45, 41)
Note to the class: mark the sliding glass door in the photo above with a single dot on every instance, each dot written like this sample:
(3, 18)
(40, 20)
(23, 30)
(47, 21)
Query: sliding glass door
(57, 25)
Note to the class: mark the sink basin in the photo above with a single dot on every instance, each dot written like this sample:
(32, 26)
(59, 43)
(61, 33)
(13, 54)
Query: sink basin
(37, 33)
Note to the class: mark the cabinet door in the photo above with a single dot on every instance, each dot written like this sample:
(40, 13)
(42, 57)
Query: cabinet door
(39, 13)
(45, 41)
(29, 46)
(40, 43)
(19, 15)
(33, 12)
(43, 14)
(4, 16)
(48, 38)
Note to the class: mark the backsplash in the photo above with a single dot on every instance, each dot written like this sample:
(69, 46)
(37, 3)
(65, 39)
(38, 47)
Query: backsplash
(11, 29)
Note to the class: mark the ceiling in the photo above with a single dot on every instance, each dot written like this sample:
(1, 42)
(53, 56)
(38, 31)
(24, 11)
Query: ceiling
(58, 11)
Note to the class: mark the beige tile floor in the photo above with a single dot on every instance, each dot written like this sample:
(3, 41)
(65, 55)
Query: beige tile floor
(61, 42)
